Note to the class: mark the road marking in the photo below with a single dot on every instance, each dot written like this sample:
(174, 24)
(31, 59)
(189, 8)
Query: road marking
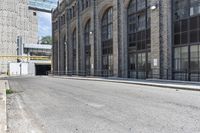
(95, 105)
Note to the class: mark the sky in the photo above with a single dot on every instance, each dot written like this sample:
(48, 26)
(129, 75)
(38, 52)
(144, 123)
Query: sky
(44, 23)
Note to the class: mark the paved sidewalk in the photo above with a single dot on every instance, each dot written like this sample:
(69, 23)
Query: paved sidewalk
(3, 116)
(185, 85)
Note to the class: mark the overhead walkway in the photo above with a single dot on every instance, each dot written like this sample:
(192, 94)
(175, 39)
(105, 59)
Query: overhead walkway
(42, 5)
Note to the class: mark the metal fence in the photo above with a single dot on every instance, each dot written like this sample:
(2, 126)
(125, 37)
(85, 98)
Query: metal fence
(164, 74)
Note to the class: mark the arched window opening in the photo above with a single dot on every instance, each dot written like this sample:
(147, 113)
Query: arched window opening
(74, 51)
(87, 48)
(139, 61)
(107, 42)
(186, 37)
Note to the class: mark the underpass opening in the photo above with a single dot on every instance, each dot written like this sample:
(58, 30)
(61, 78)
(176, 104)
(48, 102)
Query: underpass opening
(42, 69)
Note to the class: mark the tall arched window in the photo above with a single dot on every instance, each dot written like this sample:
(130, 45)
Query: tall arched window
(107, 42)
(74, 51)
(139, 61)
(186, 36)
(87, 48)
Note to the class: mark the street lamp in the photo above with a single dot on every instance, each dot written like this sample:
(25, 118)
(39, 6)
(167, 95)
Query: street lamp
(91, 32)
(66, 56)
(155, 5)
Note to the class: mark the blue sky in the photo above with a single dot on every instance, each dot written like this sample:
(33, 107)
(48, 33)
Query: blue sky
(44, 23)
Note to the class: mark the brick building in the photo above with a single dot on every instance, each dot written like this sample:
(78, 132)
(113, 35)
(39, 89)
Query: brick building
(127, 38)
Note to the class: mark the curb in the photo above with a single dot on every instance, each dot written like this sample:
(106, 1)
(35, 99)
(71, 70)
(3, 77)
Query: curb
(146, 83)
(3, 112)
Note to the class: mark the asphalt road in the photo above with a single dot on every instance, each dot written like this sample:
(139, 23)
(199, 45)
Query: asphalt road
(52, 105)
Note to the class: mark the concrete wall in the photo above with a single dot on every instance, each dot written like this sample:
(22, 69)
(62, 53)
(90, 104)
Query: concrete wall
(15, 20)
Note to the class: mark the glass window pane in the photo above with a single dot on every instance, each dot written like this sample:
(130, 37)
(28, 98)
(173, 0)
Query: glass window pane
(193, 23)
(194, 36)
(177, 39)
(110, 31)
(132, 7)
(184, 52)
(177, 27)
(180, 9)
(110, 16)
(194, 64)
(106, 27)
(141, 4)
(195, 7)
(184, 25)
(184, 38)
(141, 22)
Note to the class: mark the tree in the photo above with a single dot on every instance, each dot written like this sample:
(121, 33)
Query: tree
(46, 40)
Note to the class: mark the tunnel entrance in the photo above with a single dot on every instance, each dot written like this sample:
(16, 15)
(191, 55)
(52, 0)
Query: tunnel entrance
(42, 69)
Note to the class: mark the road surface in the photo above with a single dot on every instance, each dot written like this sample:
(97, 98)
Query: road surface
(53, 105)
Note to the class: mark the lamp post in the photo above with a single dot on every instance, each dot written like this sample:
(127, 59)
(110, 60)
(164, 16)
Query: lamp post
(66, 57)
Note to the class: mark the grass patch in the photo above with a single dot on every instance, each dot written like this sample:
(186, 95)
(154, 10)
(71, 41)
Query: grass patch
(9, 91)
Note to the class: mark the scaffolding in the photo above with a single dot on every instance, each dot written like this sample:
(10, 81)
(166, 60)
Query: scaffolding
(42, 5)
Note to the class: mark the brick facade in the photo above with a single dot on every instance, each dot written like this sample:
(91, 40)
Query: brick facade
(160, 37)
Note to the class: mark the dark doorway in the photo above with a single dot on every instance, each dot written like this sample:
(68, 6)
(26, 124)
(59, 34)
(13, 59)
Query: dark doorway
(42, 69)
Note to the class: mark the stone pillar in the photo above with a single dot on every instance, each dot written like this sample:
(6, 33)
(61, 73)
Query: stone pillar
(69, 48)
(123, 49)
(115, 40)
(66, 42)
(77, 39)
(58, 47)
(92, 36)
(98, 47)
(166, 39)
(169, 38)
(155, 40)
(81, 49)
(53, 45)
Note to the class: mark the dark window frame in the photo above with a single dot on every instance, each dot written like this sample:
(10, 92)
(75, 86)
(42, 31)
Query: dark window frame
(139, 40)
(107, 42)
(185, 35)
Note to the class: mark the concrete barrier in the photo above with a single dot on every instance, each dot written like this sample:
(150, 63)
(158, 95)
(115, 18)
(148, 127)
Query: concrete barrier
(3, 115)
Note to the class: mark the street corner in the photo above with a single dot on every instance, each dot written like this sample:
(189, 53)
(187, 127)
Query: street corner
(3, 119)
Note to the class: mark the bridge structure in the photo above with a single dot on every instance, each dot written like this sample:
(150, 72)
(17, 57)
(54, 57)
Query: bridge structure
(42, 5)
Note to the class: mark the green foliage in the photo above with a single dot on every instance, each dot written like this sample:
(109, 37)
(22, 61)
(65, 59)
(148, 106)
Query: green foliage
(46, 40)
(9, 91)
